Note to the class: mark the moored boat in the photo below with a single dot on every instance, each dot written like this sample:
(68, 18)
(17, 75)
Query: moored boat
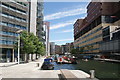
(66, 60)
(48, 64)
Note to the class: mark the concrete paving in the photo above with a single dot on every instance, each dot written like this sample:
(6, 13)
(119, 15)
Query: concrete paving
(30, 70)
(7, 64)
(80, 74)
(109, 60)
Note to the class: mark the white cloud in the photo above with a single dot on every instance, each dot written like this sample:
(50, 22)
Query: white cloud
(65, 31)
(59, 25)
(62, 40)
(68, 30)
(62, 14)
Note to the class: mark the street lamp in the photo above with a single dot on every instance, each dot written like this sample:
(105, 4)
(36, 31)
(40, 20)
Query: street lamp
(19, 46)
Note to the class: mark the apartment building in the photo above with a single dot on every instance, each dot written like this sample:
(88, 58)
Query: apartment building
(13, 17)
(58, 49)
(32, 16)
(16, 15)
(89, 33)
(52, 48)
(36, 19)
(39, 27)
(110, 45)
(46, 30)
(69, 47)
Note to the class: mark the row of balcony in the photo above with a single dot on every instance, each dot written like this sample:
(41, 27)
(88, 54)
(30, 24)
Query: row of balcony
(13, 17)
(13, 8)
(12, 25)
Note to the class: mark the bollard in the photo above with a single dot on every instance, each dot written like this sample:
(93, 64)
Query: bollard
(37, 64)
(92, 75)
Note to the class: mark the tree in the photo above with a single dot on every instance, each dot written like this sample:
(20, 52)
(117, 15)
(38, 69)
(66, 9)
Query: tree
(75, 51)
(30, 45)
(32, 38)
(39, 49)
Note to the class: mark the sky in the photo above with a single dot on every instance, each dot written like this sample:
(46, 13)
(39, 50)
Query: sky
(62, 16)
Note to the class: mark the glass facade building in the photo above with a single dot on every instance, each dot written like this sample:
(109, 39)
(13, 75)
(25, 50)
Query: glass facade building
(40, 30)
(13, 17)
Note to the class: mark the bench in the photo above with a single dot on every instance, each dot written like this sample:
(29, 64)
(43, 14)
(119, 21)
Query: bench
(68, 75)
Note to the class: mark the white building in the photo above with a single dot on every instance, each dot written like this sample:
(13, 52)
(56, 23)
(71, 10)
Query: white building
(46, 29)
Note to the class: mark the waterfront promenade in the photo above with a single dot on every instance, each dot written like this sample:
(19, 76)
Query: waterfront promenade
(31, 70)
(109, 60)
(8, 64)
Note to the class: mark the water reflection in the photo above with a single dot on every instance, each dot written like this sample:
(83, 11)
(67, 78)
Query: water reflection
(64, 66)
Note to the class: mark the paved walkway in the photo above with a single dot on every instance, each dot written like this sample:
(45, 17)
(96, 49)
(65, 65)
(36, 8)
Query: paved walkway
(7, 64)
(110, 60)
(8, 70)
(30, 70)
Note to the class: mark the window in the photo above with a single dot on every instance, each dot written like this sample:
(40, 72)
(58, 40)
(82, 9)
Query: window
(107, 19)
(21, 3)
(5, 5)
(12, 8)
(5, 15)
(11, 25)
(106, 31)
(21, 11)
(4, 23)
(18, 26)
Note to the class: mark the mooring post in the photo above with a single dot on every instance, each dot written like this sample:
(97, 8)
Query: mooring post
(92, 75)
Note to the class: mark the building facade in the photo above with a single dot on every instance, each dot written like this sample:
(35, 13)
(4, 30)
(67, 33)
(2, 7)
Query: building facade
(69, 47)
(32, 17)
(46, 29)
(39, 26)
(13, 17)
(58, 49)
(110, 45)
(36, 19)
(64, 49)
(52, 48)
(90, 29)
(16, 15)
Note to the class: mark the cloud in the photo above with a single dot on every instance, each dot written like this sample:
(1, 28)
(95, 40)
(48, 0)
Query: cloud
(63, 14)
(62, 40)
(60, 25)
(71, 30)
(65, 31)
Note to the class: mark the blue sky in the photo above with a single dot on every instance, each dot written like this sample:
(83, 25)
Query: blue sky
(62, 16)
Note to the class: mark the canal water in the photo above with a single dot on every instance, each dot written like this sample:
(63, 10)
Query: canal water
(102, 69)
(64, 66)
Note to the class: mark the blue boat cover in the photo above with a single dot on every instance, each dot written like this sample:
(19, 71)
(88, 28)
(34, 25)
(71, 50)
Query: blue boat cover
(47, 61)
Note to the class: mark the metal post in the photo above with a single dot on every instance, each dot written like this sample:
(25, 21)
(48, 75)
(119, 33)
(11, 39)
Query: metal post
(18, 49)
(13, 56)
(19, 45)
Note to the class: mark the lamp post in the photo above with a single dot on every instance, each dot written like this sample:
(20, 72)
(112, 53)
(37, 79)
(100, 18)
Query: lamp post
(19, 46)
(18, 49)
